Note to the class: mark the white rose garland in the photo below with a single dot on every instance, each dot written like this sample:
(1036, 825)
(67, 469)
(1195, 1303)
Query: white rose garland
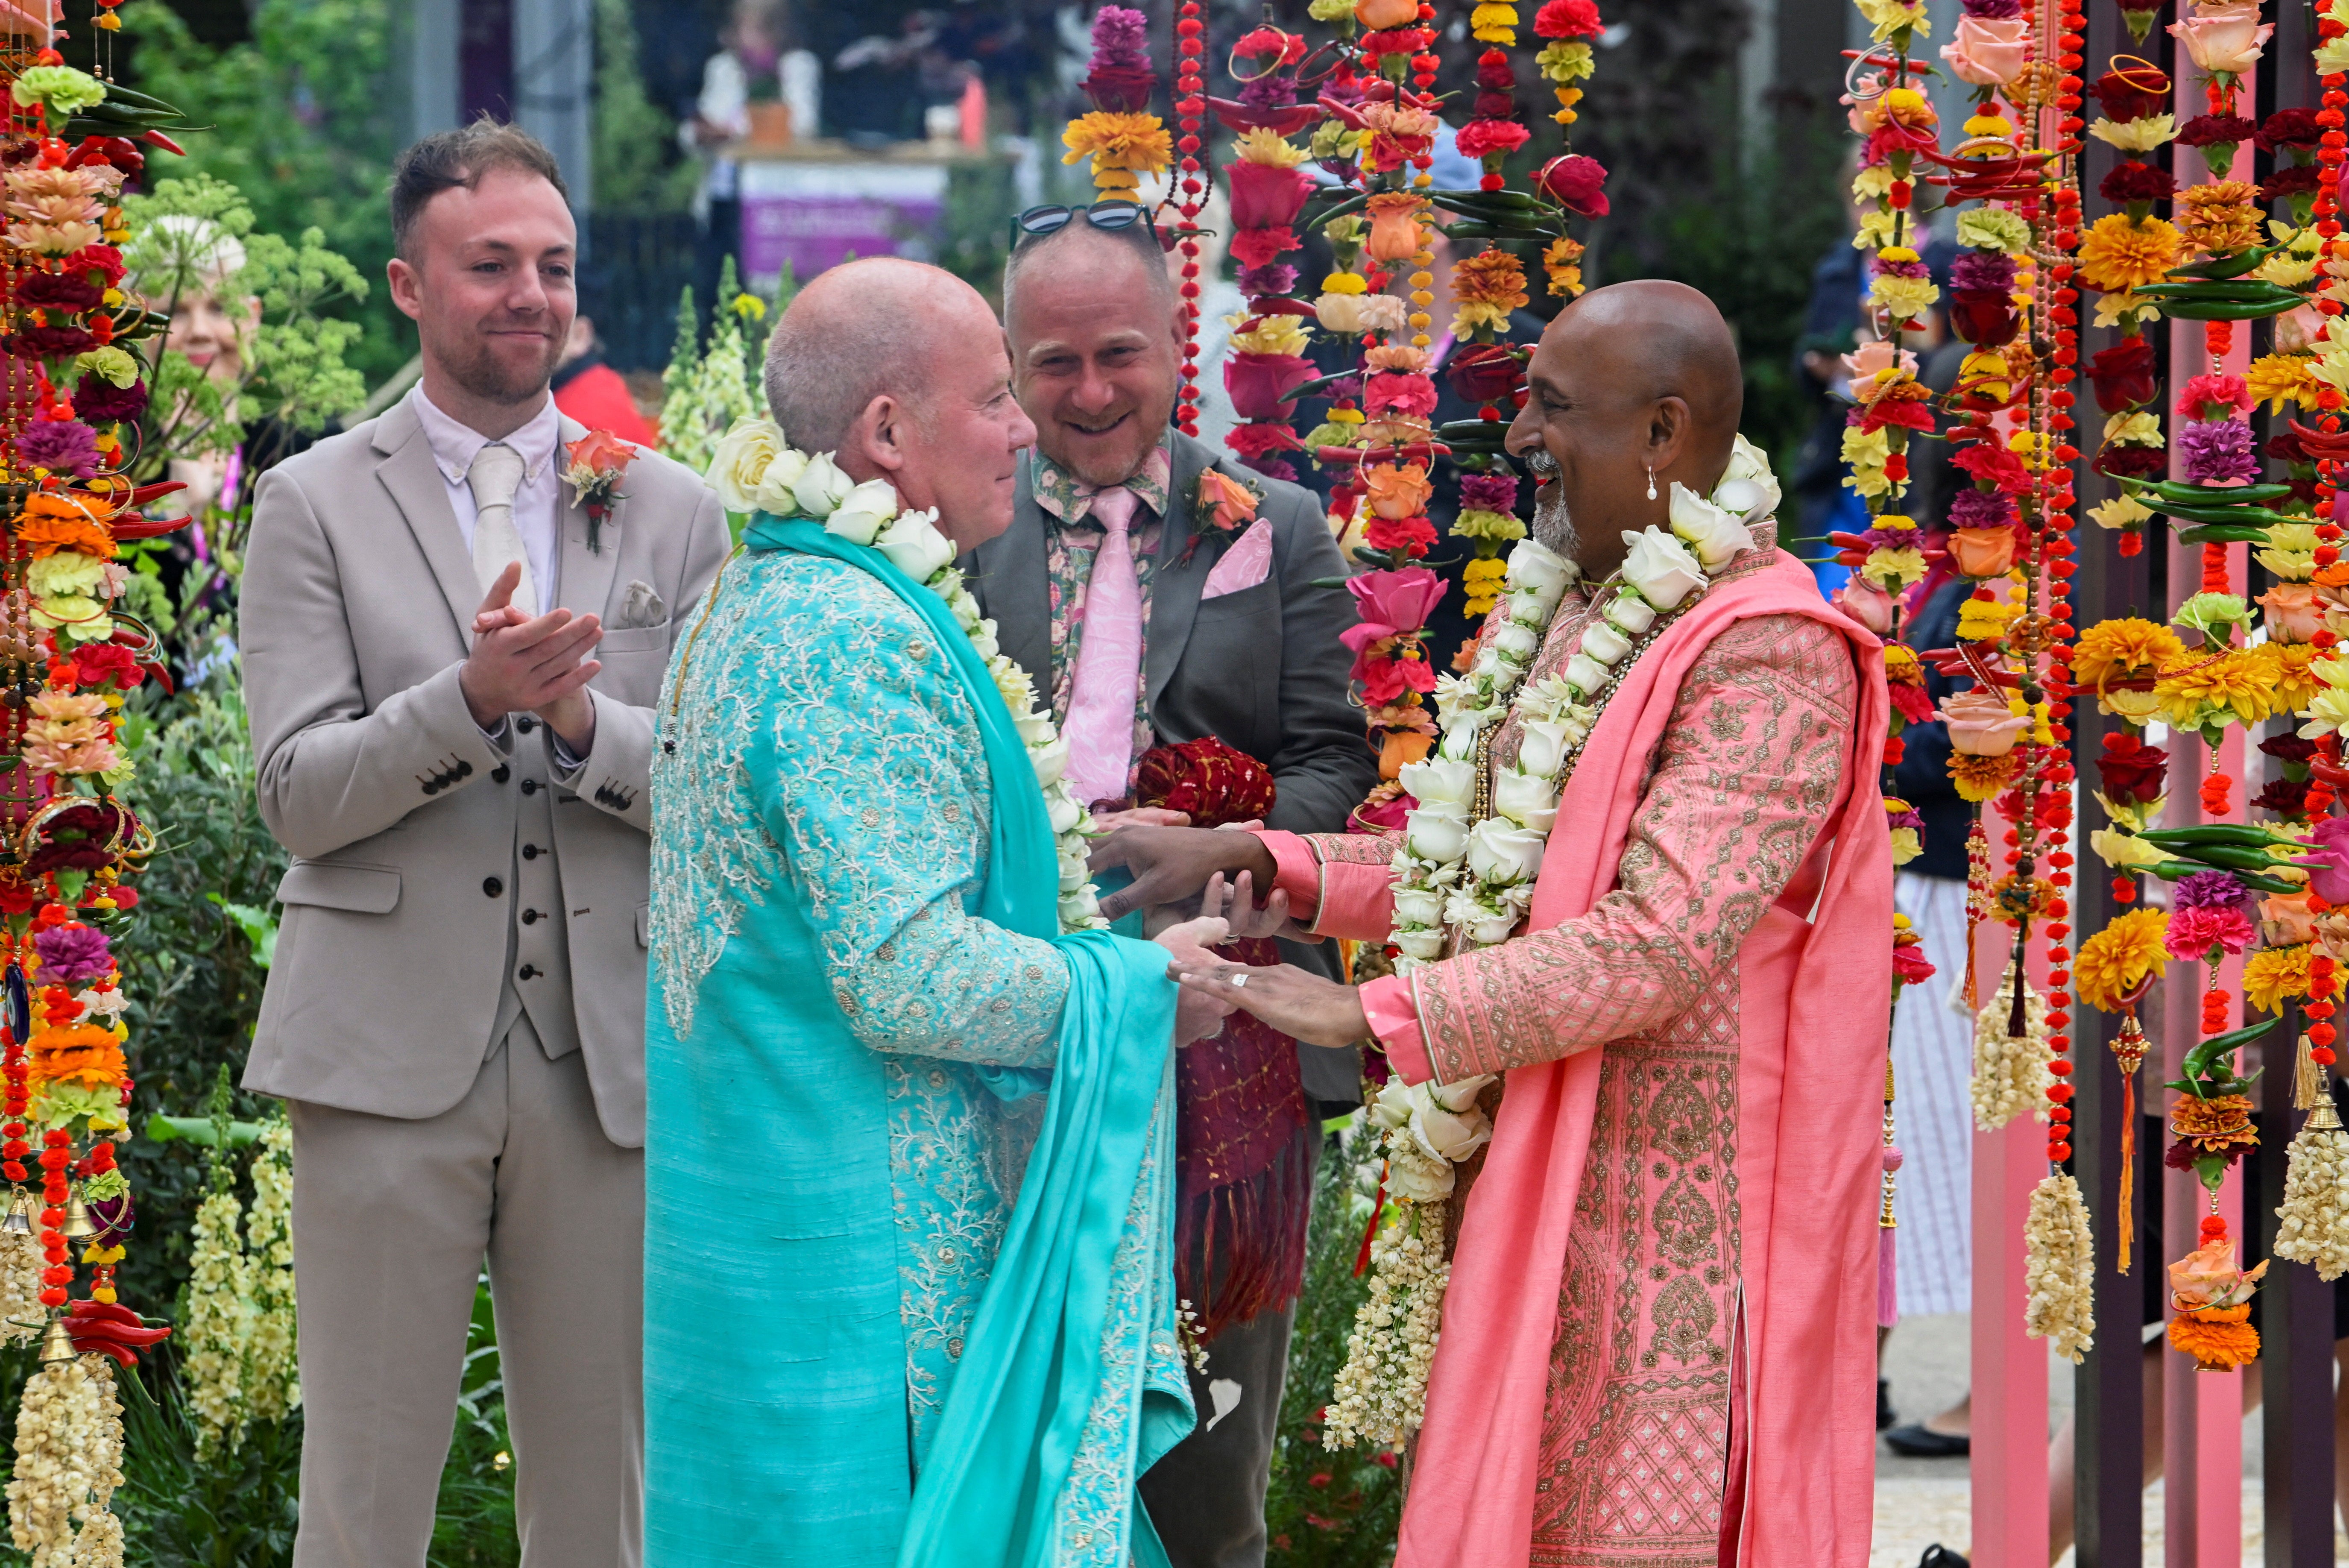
(755, 468)
(1458, 876)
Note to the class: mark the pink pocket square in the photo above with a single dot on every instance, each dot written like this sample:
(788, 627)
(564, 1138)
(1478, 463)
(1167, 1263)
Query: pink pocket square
(1245, 565)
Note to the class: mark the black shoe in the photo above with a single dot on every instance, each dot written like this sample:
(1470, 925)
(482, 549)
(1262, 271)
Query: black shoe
(1940, 1556)
(1884, 1416)
(1921, 1442)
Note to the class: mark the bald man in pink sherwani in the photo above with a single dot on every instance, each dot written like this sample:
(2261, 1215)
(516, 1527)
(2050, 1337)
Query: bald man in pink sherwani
(1659, 1340)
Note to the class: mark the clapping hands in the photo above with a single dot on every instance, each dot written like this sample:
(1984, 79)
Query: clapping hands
(526, 664)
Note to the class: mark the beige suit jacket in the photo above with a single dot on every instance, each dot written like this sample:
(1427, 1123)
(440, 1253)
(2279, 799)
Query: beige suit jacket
(356, 612)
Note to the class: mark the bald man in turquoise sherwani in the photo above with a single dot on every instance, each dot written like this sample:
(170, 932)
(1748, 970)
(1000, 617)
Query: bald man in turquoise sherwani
(910, 1165)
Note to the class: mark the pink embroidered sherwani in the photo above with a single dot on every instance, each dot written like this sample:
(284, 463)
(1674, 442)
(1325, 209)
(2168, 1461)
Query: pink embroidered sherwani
(1655, 1352)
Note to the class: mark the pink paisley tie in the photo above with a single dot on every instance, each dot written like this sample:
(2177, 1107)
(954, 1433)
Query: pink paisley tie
(1109, 659)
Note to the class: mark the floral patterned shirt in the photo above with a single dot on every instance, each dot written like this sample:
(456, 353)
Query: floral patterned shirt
(1071, 539)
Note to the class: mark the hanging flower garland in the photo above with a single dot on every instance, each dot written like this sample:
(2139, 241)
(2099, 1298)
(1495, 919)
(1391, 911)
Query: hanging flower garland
(1269, 188)
(1124, 140)
(756, 470)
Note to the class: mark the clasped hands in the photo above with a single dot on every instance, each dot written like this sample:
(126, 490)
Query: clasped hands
(526, 664)
(1172, 867)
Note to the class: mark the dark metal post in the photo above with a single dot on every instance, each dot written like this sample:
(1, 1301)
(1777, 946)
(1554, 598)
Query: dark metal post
(2108, 1387)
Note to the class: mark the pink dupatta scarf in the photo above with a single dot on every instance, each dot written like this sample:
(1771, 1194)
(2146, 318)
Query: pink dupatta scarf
(1815, 995)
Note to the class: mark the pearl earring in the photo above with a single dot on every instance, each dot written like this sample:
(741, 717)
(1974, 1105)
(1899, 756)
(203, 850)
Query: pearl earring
(1651, 485)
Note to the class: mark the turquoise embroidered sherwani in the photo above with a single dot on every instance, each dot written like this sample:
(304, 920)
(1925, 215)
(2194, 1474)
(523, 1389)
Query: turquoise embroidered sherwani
(855, 971)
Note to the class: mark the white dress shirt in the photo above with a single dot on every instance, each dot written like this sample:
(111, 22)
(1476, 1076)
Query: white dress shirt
(537, 504)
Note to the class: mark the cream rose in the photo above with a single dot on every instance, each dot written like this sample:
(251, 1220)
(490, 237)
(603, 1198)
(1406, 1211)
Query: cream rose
(1604, 643)
(1631, 614)
(1586, 674)
(1440, 783)
(2224, 37)
(1535, 567)
(911, 540)
(1435, 833)
(1542, 746)
(1421, 945)
(1530, 800)
(1715, 535)
(862, 511)
(1392, 1105)
(821, 487)
(1450, 1134)
(1050, 761)
(1517, 640)
(775, 493)
(740, 461)
(1414, 1177)
(1419, 906)
(1662, 569)
(1500, 853)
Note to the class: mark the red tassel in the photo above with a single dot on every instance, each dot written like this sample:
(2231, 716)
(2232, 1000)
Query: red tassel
(1377, 1209)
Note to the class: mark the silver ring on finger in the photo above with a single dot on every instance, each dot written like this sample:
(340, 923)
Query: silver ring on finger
(1240, 981)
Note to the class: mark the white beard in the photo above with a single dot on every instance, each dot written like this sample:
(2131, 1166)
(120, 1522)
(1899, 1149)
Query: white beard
(1552, 526)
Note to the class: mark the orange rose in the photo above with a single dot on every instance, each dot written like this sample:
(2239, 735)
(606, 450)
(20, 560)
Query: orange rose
(1226, 501)
(1395, 493)
(600, 452)
(2293, 615)
(1981, 724)
(2208, 1277)
(2286, 919)
(1982, 552)
(1395, 225)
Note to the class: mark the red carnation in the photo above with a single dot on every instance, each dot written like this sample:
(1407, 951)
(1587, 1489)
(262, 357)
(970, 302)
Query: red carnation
(2217, 130)
(1568, 19)
(1576, 182)
(1262, 439)
(2290, 128)
(1486, 138)
(1412, 533)
(2292, 179)
(97, 258)
(1989, 463)
(1913, 703)
(2137, 183)
(1493, 72)
(1259, 247)
(2131, 462)
(96, 663)
(1498, 103)
(2123, 375)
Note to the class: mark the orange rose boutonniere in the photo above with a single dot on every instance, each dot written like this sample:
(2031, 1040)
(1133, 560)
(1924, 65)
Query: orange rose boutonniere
(593, 466)
(1221, 504)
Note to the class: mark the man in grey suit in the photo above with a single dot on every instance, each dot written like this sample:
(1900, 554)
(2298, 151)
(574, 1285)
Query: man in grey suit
(456, 1012)
(1149, 626)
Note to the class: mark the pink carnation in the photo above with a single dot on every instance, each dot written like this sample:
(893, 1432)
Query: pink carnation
(2193, 932)
(2209, 397)
(1395, 393)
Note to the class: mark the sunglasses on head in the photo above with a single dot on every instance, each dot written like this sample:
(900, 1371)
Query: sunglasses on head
(1113, 214)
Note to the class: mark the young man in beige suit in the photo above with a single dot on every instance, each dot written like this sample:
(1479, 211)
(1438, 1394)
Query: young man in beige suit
(451, 671)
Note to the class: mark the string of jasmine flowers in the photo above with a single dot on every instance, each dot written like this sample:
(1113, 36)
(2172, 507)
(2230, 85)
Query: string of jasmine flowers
(756, 469)
(1468, 862)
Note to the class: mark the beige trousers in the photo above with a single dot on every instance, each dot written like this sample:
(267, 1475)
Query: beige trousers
(392, 1220)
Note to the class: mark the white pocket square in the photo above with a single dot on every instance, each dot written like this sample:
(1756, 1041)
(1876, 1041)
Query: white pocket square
(1245, 565)
(641, 607)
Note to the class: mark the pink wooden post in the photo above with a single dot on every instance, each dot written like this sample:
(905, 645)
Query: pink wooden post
(2009, 1473)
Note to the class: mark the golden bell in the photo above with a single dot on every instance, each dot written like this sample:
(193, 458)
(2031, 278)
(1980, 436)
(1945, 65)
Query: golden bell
(57, 1343)
(19, 1219)
(78, 1224)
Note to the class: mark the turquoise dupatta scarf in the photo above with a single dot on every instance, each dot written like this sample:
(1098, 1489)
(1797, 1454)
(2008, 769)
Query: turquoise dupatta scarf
(1054, 1410)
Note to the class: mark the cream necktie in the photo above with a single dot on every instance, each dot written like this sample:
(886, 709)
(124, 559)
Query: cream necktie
(494, 477)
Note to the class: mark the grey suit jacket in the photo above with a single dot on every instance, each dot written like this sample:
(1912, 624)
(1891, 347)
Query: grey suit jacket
(355, 615)
(1261, 670)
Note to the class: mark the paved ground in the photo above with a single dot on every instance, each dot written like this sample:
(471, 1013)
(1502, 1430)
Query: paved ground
(1919, 1501)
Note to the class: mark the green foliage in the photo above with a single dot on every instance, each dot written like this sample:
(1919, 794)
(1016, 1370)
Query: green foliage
(191, 968)
(304, 123)
(707, 389)
(636, 169)
(1331, 1509)
(293, 369)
